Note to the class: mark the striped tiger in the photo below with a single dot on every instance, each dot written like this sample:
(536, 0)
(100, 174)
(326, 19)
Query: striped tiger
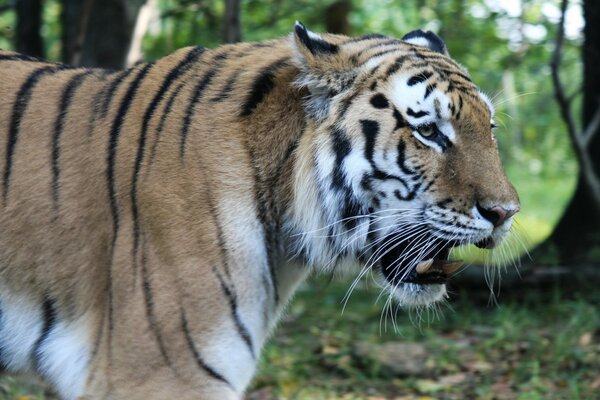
(156, 220)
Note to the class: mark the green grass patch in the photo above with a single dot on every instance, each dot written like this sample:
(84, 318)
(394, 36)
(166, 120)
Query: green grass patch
(542, 346)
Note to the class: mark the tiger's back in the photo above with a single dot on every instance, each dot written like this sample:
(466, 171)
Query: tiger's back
(156, 220)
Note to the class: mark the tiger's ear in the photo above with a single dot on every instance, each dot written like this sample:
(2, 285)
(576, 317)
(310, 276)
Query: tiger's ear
(426, 39)
(324, 69)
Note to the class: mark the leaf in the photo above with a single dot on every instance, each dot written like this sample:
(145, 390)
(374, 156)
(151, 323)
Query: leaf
(585, 339)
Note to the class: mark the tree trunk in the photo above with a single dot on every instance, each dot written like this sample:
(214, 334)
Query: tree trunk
(232, 31)
(29, 22)
(576, 238)
(336, 17)
(135, 53)
(97, 33)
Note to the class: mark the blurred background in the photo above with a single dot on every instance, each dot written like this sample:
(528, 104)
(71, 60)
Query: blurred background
(536, 334)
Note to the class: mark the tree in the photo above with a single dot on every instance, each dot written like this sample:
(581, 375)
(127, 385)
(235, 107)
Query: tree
(98, 33)
(29, 22)
(232, 31)
(577, 235)
(336, 17)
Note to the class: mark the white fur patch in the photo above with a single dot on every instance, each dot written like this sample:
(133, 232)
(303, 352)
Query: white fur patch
(229, 355)
(65, 355)
(407, 97)
(488, 102)
(21, 326)
(418, 41)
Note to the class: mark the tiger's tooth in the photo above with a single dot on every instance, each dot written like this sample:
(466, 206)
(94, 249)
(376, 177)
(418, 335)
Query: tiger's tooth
(450, 267)
(424, 266)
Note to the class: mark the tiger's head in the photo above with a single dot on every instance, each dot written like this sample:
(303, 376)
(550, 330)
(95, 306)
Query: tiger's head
(398, 163)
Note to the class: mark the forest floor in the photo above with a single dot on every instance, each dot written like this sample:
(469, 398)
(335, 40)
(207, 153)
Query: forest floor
(529, 344)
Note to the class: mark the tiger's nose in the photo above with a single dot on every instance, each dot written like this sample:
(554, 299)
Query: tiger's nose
(497, 215)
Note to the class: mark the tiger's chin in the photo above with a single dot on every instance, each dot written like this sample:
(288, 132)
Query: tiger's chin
(419, 295)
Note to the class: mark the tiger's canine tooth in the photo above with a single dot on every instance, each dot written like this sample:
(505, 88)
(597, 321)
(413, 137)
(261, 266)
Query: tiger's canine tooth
(424, 266)
(452, 266)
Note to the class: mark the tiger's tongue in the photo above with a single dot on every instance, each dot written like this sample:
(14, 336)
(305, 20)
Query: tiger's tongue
(445, 267)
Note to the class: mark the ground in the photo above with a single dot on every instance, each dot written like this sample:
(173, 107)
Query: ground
(531, 344)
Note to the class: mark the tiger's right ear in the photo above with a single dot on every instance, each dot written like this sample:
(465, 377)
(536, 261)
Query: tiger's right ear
(324, 68)
(426, 39)
(311, 44)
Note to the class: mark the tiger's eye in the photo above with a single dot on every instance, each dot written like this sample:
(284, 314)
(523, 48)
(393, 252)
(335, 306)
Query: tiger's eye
(427, 131)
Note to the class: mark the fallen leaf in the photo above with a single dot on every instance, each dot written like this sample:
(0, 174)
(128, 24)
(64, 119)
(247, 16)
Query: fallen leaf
(453, 379)
(428, 386)
(479, 366)
(585, 339)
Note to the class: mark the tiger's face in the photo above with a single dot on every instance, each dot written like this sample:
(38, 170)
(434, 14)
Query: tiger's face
(405, 155)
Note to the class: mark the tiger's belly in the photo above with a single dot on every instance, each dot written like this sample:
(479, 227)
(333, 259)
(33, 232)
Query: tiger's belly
(34, 339)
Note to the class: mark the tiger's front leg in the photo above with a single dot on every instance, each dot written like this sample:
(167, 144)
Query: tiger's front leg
(174, 324)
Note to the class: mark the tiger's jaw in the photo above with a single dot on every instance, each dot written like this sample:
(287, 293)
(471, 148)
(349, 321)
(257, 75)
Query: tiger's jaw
(416, 276)
(415, 269)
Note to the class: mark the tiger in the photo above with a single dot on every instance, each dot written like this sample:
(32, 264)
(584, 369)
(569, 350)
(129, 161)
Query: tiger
(156, 220)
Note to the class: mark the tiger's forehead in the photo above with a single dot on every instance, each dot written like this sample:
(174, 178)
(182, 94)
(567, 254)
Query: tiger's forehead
(419, 80)
(425, 95)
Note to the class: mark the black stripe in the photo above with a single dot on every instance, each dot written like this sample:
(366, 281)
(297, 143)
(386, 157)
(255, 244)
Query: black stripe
(400, 121)
(18, 57)
(263, 199)
(19, 107)
(429, 89)
(110, 90)
(370, 130)
(149, 302)
(341, 146)
(163, 118)
(220, 239)
(111, 157)
(416, 114)
(201, 363)
(397, 65)
(350, 210)
(232, 299)
(49, 316)
(412, 193)
(401, 159)
(272, 183)
(379, 54)
(382, 43)
(181, 68)
(370, 36)
(460, 106)
(262, 86)
(227, 88)
(421, 77)
(196, 97)
(63, 109)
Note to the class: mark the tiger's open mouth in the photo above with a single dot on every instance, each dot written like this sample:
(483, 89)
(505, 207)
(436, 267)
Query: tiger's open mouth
(402, 262)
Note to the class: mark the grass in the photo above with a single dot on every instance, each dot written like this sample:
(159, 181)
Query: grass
(537, 346)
